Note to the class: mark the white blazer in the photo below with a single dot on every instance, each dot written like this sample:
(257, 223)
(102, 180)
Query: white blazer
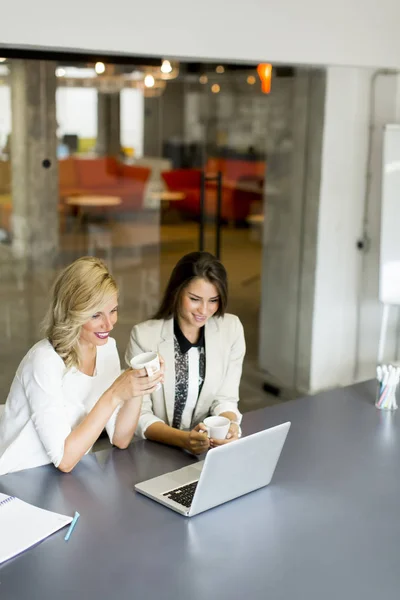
(225, 350)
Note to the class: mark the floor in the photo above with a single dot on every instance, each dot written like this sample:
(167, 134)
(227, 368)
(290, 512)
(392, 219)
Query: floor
(141, 254)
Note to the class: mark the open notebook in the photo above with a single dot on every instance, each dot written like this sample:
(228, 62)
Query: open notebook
(23, 525)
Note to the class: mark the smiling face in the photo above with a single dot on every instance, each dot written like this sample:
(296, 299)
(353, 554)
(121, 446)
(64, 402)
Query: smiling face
(96, 331)
(199, 301)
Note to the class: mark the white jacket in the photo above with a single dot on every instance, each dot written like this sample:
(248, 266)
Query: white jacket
(225, 350)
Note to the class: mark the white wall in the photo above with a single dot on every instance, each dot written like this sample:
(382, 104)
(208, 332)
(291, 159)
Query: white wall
(77, 111)
(387, 110)
(132, 120)
(361, 32)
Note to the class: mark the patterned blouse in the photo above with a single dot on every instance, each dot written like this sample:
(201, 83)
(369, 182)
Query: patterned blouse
(190, 360)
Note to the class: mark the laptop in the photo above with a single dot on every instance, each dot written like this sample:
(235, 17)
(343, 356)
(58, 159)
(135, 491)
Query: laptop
(228, 471)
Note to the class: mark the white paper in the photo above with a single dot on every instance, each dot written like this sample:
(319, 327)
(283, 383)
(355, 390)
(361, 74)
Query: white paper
(23, 525)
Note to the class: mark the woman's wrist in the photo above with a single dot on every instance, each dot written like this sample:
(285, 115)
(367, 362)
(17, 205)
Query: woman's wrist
(112, 397)
(184, 438)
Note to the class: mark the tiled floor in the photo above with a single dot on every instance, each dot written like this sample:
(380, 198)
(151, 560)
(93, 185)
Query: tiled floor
(141, 255)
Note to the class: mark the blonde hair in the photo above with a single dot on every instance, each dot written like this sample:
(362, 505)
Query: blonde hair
(81, 290)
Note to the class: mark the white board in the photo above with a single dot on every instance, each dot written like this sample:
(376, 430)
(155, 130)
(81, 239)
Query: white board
(389, 272)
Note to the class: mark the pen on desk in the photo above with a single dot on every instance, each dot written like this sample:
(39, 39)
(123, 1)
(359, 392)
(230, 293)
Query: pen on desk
(71, 527)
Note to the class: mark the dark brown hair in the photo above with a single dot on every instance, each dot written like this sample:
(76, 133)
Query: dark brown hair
(202, 265)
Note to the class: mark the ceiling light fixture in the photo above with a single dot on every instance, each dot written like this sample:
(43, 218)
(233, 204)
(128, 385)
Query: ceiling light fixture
(149, 81)
(264, 71)
(166, 67)
(100, 68)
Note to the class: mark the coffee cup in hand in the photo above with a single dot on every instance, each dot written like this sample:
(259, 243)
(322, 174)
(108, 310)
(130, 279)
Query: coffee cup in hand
(150, 362)
(217, 427)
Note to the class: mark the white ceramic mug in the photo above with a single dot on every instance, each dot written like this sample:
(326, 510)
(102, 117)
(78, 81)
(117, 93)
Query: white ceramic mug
(149, 361)
(217, 427)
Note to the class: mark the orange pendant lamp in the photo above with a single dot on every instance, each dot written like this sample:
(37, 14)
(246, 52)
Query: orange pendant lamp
(264, 71)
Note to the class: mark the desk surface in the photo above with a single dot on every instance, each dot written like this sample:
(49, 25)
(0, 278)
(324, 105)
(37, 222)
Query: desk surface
(327, 527)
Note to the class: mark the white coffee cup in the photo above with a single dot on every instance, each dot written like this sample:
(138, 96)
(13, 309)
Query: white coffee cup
(217, 427)
(149, 361)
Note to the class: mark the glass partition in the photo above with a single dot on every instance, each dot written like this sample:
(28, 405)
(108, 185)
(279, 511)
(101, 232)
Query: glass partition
(74, 181)
(109, 160)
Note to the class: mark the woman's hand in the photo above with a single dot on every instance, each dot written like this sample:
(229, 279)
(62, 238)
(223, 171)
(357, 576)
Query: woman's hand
(232, 435)
(198, 441)
(135, 383)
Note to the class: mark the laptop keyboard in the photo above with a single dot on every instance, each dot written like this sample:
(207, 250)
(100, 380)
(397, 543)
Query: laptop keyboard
(183, 495)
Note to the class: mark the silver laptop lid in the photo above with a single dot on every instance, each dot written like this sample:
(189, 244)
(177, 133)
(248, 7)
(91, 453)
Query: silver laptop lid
(236, 469)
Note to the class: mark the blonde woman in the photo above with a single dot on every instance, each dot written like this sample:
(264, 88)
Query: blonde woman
(69, 385)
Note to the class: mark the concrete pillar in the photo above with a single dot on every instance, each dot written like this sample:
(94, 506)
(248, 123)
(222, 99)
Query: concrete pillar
(152, 127)
(164, 121)
(34, 161)
(290, 241)
(108, 124)
(210, 116)
(173, 111)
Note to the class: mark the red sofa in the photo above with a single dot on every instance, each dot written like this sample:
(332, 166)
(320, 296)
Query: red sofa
(103, 177)
(234, 169)
(187, 181)
(242, 186)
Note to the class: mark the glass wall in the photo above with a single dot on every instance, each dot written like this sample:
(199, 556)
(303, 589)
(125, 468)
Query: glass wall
(107, 160)
(73, 182)
(215, 118)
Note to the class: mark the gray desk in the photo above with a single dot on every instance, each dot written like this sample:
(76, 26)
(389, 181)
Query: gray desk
(328, 527)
